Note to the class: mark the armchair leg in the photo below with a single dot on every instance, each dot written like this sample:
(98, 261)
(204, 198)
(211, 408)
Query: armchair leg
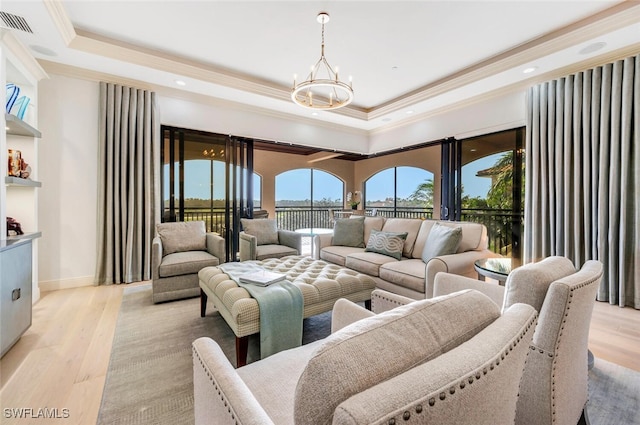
(242, 348)
(367, 304)
(203, 303)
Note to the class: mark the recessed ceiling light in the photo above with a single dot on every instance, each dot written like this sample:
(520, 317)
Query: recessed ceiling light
(394, 68)
(529, 70)
(181, 83)
(410, 111)
(593, 47)
(315, 114)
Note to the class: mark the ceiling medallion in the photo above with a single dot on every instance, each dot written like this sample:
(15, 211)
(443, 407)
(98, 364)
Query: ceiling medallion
(322, 89)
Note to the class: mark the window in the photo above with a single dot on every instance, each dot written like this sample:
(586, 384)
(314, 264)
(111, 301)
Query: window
(304, 197)
(400, 192)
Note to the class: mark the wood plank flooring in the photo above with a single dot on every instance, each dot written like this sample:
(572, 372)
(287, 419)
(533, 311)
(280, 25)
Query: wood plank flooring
(61, 361)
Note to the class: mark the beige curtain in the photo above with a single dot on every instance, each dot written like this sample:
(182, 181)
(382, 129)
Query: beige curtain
(583, 174)
(128, 179)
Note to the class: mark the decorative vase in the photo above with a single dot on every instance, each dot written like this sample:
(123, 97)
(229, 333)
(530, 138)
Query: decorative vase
(12, 94)
(22, 103)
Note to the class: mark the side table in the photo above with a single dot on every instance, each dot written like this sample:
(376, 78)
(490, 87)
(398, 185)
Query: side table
(495, 268)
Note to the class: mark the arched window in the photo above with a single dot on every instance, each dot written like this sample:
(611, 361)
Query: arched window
(400, 192)
(304, 197)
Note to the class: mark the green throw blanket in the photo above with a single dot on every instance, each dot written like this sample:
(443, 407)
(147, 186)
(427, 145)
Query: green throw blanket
(281, 309)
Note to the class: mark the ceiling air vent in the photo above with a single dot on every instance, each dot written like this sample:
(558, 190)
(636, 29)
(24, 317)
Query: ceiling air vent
(14, 22)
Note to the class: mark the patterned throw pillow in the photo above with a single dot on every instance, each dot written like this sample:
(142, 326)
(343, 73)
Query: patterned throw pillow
(386, 243)
(441, 240)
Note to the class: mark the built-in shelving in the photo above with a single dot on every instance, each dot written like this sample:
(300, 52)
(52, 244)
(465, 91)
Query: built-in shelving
(26, 235)
(17, 181)
(17, 127)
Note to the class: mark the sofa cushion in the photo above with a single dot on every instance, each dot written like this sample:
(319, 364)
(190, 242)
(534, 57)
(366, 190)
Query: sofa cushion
(182, 263)
(182, 236)
(349, 232)
(367, 262)
(274, 251)
(264, 229)
(338, 254)
(372, 223)
(380, 347)
(410, 274)
(442, 240)
(399, 225)
(474, 236)
(386, 243)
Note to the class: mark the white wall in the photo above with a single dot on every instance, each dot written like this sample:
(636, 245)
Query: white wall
(68, 119)
(496, 114)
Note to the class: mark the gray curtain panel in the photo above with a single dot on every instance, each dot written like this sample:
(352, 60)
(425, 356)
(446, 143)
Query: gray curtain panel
(583, 174)
(128, 180)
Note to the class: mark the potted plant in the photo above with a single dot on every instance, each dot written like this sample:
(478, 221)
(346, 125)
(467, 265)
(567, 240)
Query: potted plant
(353, 199)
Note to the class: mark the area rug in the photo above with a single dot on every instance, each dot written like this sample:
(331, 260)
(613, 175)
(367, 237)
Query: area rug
(150, 378)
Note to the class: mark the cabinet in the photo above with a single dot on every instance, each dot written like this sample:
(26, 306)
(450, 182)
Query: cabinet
(19, 197)
(15, 291)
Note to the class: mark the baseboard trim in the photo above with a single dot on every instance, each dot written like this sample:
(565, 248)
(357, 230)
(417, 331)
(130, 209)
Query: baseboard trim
(75, 282)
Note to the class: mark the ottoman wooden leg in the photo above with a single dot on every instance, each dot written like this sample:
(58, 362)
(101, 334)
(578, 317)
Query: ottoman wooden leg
(203, 303)
(367, 304)
(242, 348)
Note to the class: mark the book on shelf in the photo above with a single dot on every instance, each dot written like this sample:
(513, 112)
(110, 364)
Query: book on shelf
(262, 278)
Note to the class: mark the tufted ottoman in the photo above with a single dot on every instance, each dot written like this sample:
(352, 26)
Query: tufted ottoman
(321, 284)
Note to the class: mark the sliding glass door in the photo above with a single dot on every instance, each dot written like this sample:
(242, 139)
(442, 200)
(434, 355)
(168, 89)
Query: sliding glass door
(482, 181)
(207, 177)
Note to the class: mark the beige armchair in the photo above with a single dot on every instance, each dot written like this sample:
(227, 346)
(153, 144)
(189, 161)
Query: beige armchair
(554, 383)
(447, 360)
(261, 239)
(179, 251)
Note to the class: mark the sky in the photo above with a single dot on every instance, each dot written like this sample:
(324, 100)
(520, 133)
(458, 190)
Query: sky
(295, 184)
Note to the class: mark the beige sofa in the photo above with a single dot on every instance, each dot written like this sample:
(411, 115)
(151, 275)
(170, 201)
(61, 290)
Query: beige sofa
(410, 276)
(447, 360)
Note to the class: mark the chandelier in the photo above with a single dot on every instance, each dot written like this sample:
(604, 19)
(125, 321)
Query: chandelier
(322, 89)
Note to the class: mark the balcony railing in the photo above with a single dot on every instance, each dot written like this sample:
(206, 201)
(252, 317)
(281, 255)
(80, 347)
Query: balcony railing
(499, 223)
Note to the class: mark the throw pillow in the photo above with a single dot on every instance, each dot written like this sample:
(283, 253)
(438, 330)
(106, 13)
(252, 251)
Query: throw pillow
(377, 348)
(349, 232)
(182, 236)
(264, 229)
(442, 240)
(386, 243)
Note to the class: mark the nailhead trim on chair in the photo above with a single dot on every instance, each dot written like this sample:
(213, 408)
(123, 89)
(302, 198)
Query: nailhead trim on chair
(552, 355)
(476, 375)
(215, 385)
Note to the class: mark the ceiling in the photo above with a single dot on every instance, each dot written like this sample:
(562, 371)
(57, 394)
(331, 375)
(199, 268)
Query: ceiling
(407, 58)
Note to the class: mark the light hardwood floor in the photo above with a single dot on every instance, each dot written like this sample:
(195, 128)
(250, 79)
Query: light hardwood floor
(61, 361)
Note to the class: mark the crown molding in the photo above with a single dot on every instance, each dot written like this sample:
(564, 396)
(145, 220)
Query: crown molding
(103, 46)
(97, 76)
(61, 20)
(523, 85)
(614, 18)
(23, 55)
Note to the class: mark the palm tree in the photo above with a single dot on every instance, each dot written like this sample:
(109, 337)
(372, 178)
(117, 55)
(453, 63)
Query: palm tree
(423, 193)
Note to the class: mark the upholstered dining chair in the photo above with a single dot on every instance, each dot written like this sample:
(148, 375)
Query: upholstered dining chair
(553, 389)
(179, 251)
(261, 239)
